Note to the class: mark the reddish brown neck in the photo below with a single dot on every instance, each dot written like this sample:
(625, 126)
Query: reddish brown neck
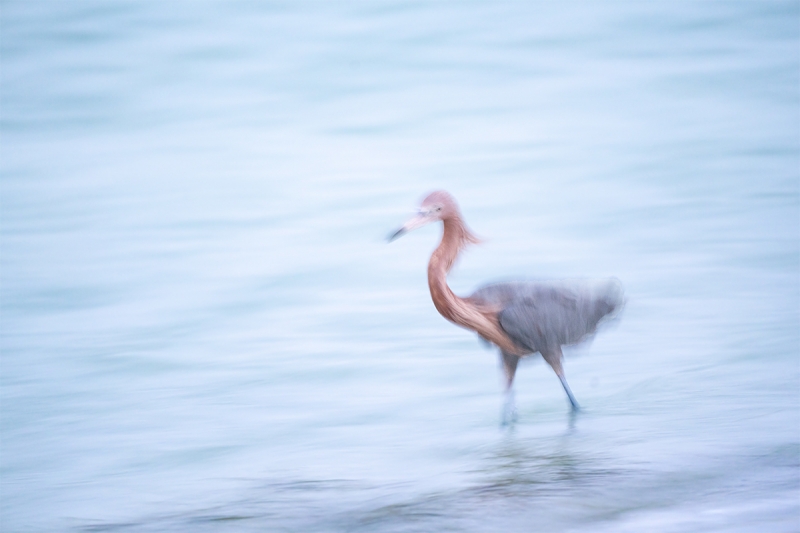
(442, 260)
(458, 310)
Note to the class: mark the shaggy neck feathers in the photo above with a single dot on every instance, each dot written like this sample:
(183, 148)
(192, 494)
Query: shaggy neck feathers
(455, 237)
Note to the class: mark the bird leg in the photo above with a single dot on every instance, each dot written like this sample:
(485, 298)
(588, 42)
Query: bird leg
(510, 368)
(553, 358)
(572, 401)
(510, 362)
(509, 415)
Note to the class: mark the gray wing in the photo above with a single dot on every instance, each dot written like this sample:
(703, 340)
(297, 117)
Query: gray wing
(544, 316)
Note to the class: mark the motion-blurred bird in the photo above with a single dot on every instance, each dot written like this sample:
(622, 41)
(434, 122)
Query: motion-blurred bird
(521, 318)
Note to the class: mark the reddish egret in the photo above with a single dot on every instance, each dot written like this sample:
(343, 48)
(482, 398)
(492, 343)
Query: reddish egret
(521, 318)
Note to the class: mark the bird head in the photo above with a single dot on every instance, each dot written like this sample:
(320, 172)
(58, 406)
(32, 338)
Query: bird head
(438, 205)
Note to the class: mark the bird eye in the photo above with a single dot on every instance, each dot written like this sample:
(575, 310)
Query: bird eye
(438, 208)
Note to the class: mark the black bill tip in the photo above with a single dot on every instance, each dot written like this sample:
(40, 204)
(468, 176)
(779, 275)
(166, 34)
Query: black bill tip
(396, 234)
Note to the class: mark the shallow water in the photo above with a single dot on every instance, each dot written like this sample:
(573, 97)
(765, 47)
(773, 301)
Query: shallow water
(203, 328)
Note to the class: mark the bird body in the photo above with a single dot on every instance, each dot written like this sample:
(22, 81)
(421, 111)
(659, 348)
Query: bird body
(543, 315)
(521, 318)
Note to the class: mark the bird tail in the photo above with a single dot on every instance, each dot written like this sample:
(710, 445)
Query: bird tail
(611, 299)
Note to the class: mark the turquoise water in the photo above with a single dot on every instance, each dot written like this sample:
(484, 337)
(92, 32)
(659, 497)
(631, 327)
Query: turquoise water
(203, 328)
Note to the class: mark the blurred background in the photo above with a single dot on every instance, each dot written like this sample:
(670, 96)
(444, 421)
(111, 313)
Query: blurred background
(203, 328)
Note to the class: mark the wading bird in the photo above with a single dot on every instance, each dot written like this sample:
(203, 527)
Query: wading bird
(520, 318)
